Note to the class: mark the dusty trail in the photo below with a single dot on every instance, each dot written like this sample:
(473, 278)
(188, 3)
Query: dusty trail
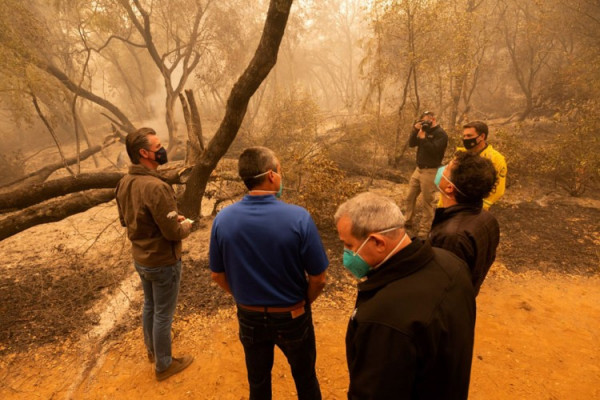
(536, 338)
(536, 334)
(113, 312)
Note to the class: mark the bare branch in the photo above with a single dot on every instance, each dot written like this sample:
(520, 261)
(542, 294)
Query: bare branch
(42, 174)
(52, 133)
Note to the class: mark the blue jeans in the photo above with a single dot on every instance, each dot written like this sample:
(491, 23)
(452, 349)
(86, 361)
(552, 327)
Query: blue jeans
(161, 287)
(260, 332)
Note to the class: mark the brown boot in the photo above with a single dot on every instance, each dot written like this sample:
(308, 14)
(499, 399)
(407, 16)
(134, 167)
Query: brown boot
(177, 365)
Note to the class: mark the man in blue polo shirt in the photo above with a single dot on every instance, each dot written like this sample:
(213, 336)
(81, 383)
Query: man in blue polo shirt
(269, 256)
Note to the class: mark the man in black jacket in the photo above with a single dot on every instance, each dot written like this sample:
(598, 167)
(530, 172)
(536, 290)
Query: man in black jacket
(431, 141)
(411, 333)
(461, 225)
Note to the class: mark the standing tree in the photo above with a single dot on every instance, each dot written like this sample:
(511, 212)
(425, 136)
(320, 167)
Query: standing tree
(182, 46)
(263, 61)
(529, 43)
(399, 50)
(465, 33)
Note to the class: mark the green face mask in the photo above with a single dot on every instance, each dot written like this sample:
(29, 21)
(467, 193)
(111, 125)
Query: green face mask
(358, 267)
(355, 263)
(280, 191)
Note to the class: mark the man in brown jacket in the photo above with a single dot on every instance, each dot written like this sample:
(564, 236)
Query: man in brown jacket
(148, 208)
(461, 225)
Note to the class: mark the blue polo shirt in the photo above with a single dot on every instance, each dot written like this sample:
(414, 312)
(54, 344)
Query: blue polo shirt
(265, 247)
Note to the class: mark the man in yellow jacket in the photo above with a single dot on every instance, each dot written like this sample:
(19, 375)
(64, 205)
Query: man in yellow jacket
(475, 136)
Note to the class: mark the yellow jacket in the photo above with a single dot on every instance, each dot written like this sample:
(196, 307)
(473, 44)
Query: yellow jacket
(500, 165)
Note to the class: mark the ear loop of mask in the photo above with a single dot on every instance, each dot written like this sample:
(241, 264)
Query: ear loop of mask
(454, 186)
(369, 236)
(393, 250)
(390, 253)
(449, 181)
(263, 174)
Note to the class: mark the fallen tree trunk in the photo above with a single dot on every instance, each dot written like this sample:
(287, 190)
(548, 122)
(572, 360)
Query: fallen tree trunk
(42, 174)
(196, 180)
(27, 195)
(46, 205)
(53, 210)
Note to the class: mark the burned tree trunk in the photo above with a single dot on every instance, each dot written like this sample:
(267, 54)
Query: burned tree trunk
(196, 180)
(195, 143)
(263, 61)
(53, 210)
(27, 195)
(45, 203)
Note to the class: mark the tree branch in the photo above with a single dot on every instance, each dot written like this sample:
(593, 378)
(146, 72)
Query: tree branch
(52, 133)
(27, 195)
(53, 210)
(261, 64)
(43, 173)
(73, 87)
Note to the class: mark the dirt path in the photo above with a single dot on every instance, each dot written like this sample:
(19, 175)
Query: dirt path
(536, 335)
(536, 338)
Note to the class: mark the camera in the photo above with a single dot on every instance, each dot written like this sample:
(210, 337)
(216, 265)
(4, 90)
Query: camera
(425, 125)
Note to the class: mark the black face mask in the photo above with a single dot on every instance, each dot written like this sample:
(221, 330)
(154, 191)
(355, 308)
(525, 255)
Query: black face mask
(160, 156)
(470, 143)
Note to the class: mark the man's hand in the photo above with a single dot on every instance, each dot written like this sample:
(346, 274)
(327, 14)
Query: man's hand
(421, 133)
(183, 220)
(221, 280)
(316, 283)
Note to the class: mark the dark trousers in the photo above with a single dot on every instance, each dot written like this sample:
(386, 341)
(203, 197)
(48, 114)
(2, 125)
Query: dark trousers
(260, 332)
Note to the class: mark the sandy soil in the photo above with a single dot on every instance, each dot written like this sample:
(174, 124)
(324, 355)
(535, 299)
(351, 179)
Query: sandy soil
(536, 338)
(69, 325)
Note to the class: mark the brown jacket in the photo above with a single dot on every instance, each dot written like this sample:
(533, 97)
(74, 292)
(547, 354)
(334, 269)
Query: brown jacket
(148, 208)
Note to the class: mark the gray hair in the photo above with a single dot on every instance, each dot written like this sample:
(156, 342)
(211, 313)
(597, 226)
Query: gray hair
(254, 161)
(369, 213)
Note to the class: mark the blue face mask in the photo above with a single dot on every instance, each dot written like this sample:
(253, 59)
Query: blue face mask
(438, 176)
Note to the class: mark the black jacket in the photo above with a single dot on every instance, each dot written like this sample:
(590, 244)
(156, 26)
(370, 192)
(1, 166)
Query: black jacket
(411, 333)
(470, 233)
(430, 151)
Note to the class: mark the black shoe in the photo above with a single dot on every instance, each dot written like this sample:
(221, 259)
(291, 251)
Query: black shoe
(177, 365)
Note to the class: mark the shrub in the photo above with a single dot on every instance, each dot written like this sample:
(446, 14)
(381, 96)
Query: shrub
(311, 178)
(320, 186)
(575, 157)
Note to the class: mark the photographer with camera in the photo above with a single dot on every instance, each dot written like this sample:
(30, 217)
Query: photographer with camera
(431, 141)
